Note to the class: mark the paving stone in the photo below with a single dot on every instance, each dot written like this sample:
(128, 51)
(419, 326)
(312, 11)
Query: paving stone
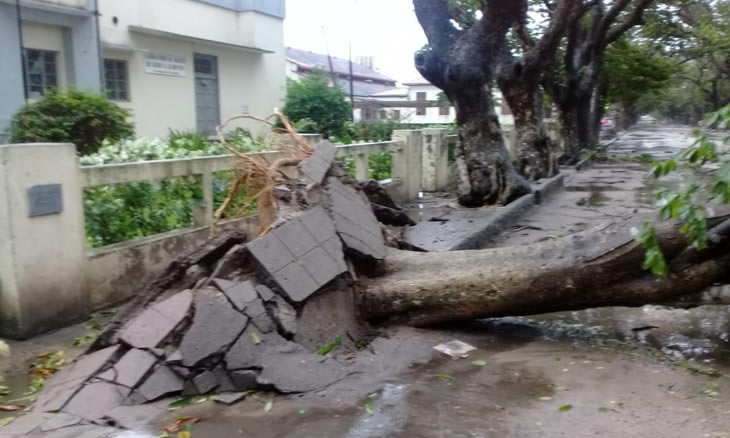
(175, 357)
(137, 417)
(245, 379)
(296, 282)
(260, 317)
(270, 252)
(320, 266)
(60, 421)
(241, 294)
(161, 383)
(318, 223)
(249, 349)
(215, 326)
(295, 237)
(299, 372)
(54, 398)
(223, 284)
(354, 218)
(314, 168)
(205, 382)
(26, 424)
(133, 366)
(154, 324)
(225, 384)
(96, 399)
(334, 248)
(229, 398)
(286, 316)
(86, 431)
(326, 150)
(265, 293)
(83, 367)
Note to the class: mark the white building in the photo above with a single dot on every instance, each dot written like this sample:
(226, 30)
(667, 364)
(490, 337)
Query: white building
(177, 64)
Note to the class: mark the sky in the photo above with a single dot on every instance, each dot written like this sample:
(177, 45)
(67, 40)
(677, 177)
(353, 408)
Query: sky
(385, 29)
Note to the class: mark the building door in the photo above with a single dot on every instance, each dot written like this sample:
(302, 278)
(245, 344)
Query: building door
(207, 103)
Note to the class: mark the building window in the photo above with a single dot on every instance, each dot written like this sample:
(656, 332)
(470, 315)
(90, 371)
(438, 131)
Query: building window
(421, 111)
(421, 95)
(383, 115)
(40, 71)
(116, 79)
(444, 110)
(396, 115)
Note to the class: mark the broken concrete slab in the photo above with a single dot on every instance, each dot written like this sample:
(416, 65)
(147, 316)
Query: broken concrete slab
(85, 431)
(60, 421)
(223, 284)
(229, 398)
(355, 221)
(315, 167)
(153, 325)
(241, 294)
(318, 223)
(296, 238)
(248, 350)
(270, 252)
(265, 293)
(26, 424)
(162, 382)
(259, 317)
(132, 367)
(225, 384)
(205, 382)
(292, 372)
(215, 326)
(175, 357)
(296, 282)
(96, 399)
(84, 367)
(54, 398)
(135, 417)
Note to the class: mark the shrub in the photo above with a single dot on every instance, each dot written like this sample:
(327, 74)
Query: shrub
(190, 140)
(83, 118)
(313, 98)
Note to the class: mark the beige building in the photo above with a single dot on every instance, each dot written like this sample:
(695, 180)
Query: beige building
(177, 64)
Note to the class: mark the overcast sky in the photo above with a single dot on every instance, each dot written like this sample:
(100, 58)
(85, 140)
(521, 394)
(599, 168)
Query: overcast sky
(385, 29)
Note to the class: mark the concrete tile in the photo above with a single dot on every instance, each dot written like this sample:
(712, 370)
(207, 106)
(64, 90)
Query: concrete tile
(205, 382)
(260, 317)
(175, 357)
(133, 366)
(147, 330)
(334, 248)
(86, 431)
(223, 284)
(286, 316)
(296, 282)
(60, 421)
(137, 417)
(83, 367)
(96, 399)
(241, 294)
(225, 384)
(299, 372)
(318, 223)
(176, 307)
(215, 326)
(249, 349)
(229, 398)
(265, 293)
(54, 398)
(26, 424)
(320, 266)
(162, 382)
(295, 237)
(314, 168)
(326, 151)
(270, 252)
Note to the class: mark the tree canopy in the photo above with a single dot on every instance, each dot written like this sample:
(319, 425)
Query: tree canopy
(324, 104)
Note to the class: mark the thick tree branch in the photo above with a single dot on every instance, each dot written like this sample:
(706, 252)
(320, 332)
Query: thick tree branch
(434, 16)
(566, 12)
(635, 19)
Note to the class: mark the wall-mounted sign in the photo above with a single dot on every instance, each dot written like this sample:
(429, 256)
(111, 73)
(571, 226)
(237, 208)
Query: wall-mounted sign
(45, 200)
(164, 64)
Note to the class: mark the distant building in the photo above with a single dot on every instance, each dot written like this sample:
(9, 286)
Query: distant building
(177, 64)
(365, 80)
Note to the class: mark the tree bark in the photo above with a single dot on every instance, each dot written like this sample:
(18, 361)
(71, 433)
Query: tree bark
(591, 269)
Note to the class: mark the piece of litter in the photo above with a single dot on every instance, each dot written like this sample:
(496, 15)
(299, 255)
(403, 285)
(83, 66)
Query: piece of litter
(454, 348)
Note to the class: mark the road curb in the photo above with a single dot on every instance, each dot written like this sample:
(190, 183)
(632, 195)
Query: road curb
(509, 215)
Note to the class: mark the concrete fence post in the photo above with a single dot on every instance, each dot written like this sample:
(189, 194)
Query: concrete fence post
(362, 167)
(435, 160)
(407, 164)
(203, 214)
(42, 239)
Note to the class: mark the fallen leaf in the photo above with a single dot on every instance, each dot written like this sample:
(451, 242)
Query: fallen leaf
(184, 434)
(11, 408)
(565, 408)
(5, 421)
(302, 411)
(83, 340)
(325, 349)
(546, 398)
(93, 324)
(602, 409)
(370, 408)
(479, 363)
(444, 376)
(268, 406)
(561, 388)
(180, 403)
(180, 424)
(255, 338)
(4, 349)
(373, 395)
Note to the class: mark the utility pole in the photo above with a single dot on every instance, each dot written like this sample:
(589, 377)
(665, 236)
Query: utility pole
(352, 86)
(22, 50)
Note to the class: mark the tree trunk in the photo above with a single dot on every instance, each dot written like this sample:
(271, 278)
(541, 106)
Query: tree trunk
(534, 156)
(591, 269)
(569, 133)
(487, 175)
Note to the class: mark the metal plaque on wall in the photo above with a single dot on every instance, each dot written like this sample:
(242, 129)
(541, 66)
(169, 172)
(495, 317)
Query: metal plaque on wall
(45, 200)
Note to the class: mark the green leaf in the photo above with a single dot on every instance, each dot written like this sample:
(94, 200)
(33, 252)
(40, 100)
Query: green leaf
(370, 408)
(5, 421)
(602, 409)
(479, 363)
(327, 348)
(255, 338)
(565, 408)
(180, 403)
(545, 398)
(269, 406)
(444, 376)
